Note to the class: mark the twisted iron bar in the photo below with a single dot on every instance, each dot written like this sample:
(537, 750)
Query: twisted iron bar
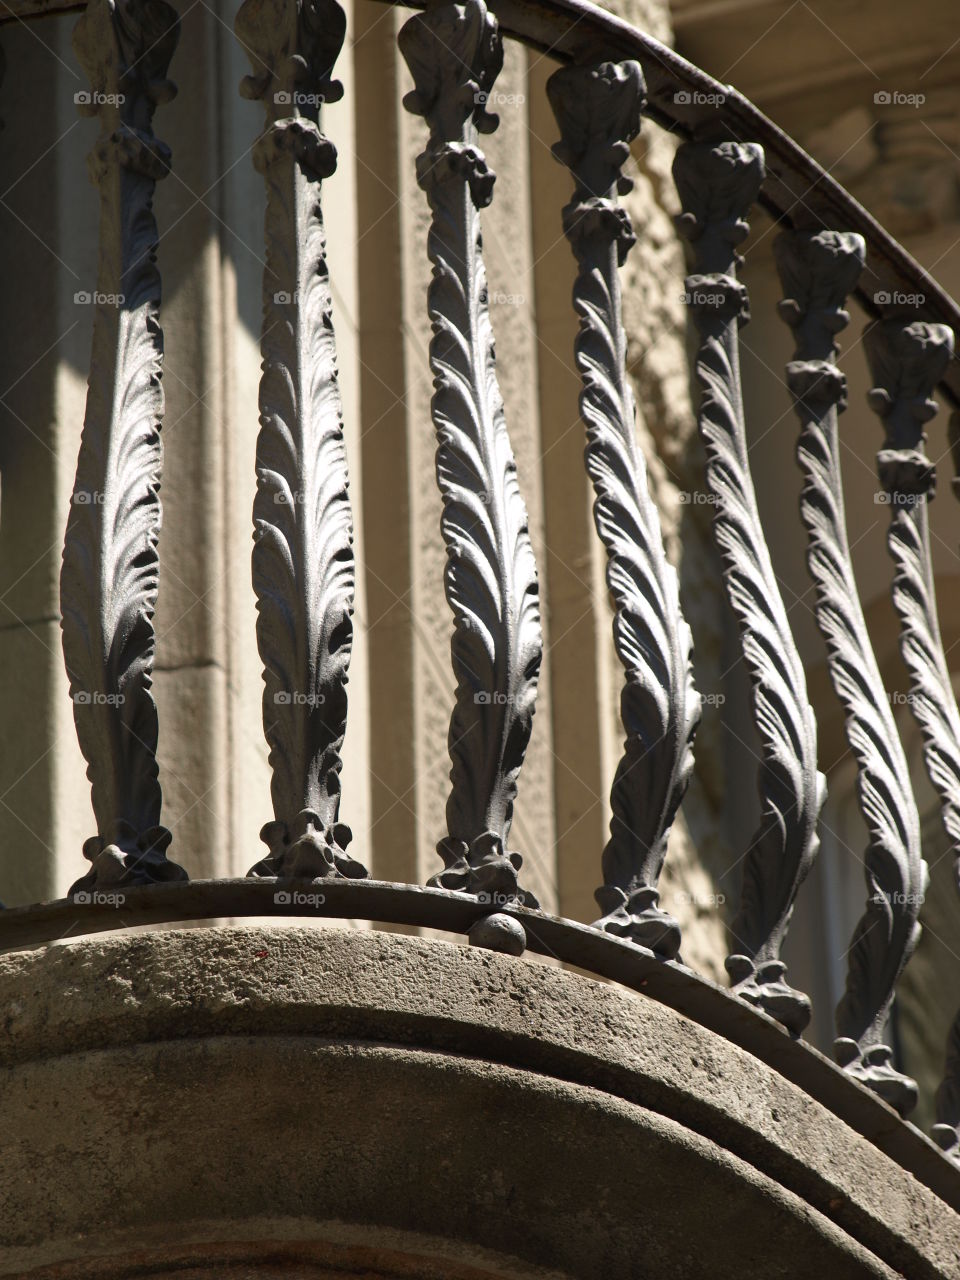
(907, 360)
(455, 53)
(303, 565)
(110, 574)
(818, 270)
(718, 184)
(598, 110)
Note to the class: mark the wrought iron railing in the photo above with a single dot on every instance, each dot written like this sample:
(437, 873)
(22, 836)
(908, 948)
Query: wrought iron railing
(303, 566)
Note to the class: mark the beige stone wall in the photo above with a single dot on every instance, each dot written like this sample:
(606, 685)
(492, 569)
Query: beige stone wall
(298, 1103)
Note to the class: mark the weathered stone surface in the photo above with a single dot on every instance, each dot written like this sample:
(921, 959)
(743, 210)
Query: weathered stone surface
(326, 1088)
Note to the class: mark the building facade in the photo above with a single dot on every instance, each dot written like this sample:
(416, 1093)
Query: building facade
(267, 1095)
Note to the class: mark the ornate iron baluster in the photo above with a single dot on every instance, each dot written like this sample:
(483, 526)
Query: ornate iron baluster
(109, 579)
(818, 270)
(598, 111)
(454, 52)
(906, 361)
(718, 183)
(303, 567)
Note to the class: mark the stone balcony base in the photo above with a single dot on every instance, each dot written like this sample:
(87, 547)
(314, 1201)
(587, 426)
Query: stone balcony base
(286, 1101)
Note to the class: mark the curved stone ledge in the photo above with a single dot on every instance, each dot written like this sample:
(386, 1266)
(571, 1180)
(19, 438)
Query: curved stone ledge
(580, 946)
(289, 1093)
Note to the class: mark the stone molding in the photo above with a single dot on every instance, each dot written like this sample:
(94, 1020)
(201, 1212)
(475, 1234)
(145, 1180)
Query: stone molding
(281, 1093)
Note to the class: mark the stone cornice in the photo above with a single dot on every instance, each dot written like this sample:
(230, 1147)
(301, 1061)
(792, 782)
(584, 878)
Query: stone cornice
(776, 52)
(876, 102)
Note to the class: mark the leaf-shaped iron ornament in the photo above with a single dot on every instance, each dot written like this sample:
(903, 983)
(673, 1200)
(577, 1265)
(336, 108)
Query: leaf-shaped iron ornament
(598, 110)
(906, 361)
(109, 578)
(717, 184)
(454, 53)
(303, 566)
(818, 270)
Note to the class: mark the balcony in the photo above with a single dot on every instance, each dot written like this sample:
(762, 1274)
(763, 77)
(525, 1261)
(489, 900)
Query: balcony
(582, 1089)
